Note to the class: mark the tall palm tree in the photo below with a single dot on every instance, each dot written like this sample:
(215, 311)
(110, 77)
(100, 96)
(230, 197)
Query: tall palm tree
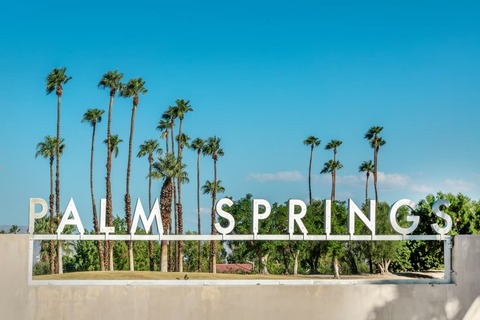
(164, 125)
(182, 107)
(367, 167)
(198, 145)
(114, 143)
(111, 80)
(167, 169)
(312, 142)
(212, 148)
(333, 144)
(133, 88)
(149, 147)
(375, 142)
(47, 149)
(170, 115)
(54, 82)
(331, 166)
(94, 116)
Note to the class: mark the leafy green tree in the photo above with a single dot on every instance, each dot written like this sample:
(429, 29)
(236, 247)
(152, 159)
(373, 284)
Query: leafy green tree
(149, 147)
(132, 89)
(94, 116)
(375, 142)
(312, 142)
(197, 145)
(55, 81)
(86, 256)
(14, 229)
(212, 148)
(111, 80)
(47, 149)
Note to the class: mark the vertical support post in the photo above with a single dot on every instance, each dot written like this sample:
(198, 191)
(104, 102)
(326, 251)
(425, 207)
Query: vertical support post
(447, 259)
(30, 260)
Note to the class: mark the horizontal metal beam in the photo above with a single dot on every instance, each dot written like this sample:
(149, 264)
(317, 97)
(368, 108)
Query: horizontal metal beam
(238, 237)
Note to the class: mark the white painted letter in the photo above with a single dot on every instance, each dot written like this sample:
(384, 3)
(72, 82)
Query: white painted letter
(75, 221)
(328, 217)
(259, 216)
(392, 215)
(147, 223)
(226, 215)
(103, 214)
(448, 220)
(353, 210)
(292, 217)
(36, 215)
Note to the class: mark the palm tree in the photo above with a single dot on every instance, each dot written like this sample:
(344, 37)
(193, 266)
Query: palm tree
(54, 82)
(331, 166)
(208, 187)
(312, 142)
(182, 107)
(164, 125)
(198, 145)
(111, 80)
(170, 115)
(367, 167)
(114, 142)
(167, 169)
(149, 147)
(375, 142)
(94, 116)
(333, 144)
(133, 88)
(212, 147)
(47, 149)
(14, 229)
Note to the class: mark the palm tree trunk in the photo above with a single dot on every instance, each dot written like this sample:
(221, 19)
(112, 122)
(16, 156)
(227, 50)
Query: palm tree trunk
(150, 243)
(179, 204)
(213, 248)
(57, 181)
(310, 176)
(332, 196)
(375, 168)
(128, 209)
(166, 209)
(199, 259)
(366, 188)
(51, 209)
(94, 206)
(174, 202)
(109, 244)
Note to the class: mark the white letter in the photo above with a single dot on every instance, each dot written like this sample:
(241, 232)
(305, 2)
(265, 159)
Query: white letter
(36, 215)
(75, 221)
(147, 223)
(392, 215)
(354, 209)
(103, 213)
(292, 217)
(259, 216)
(448, 220)
(328, 217)
(226, 215)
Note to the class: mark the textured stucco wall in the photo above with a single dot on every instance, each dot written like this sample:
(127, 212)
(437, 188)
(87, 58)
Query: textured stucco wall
(461, 300)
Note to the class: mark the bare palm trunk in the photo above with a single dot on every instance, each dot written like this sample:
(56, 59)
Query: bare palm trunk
(179, 204)
(174, 203)
(366, 188)
(51, 209)
(57, 178)
(94, 206)
(310, 176)
(199, 259)
(127, 193)
(295, 262)
(213, 248)
(336, 267)
(150, 243)
(375, 169)
(109, 244)
(333, 185)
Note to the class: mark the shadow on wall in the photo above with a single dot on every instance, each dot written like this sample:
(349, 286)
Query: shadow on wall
(406, 308)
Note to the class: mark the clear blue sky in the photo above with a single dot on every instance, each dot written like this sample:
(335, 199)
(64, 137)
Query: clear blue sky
(262, 75)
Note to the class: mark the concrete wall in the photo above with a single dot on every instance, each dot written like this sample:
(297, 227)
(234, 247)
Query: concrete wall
(19, 300)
